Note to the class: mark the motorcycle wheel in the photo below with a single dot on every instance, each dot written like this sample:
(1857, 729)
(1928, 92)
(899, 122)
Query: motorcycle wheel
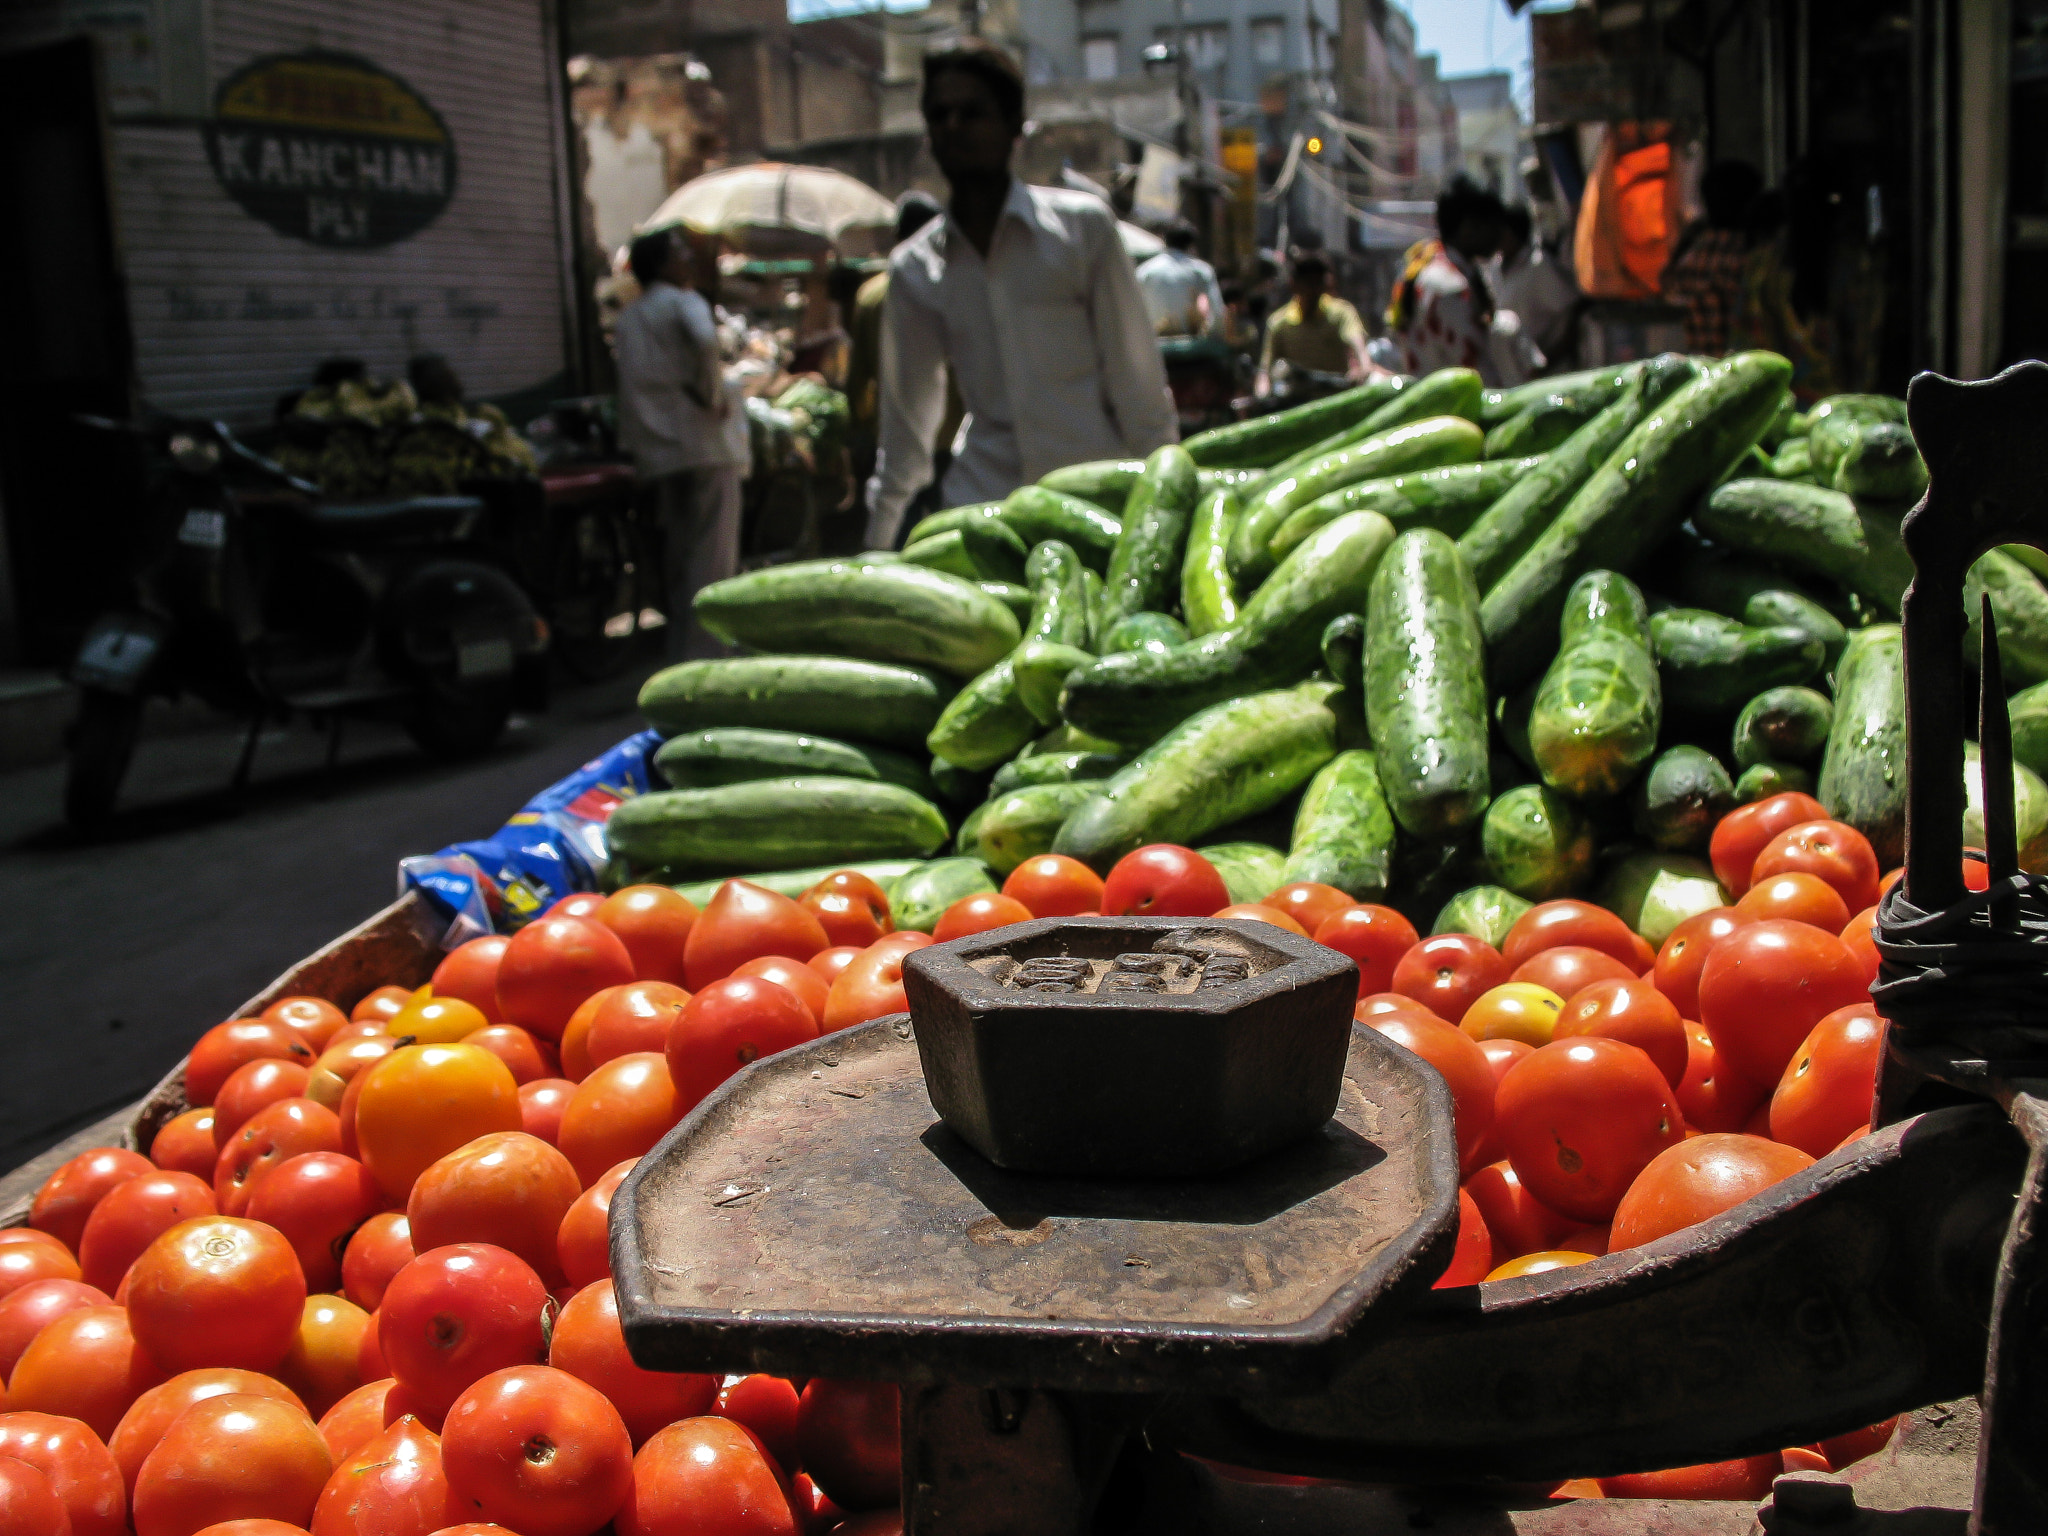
(102, 746)
(599, 576)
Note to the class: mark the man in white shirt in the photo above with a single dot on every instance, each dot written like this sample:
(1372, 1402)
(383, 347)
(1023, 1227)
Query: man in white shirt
(686, 432)
(1181, 291)
(1027, 293)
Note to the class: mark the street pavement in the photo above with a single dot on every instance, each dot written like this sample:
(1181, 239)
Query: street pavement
(117, 951)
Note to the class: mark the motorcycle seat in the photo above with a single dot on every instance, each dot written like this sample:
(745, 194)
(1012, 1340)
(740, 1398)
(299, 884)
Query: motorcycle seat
(398, 519)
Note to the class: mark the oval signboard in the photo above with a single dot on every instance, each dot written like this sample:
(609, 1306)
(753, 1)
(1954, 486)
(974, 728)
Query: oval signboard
(329, 148)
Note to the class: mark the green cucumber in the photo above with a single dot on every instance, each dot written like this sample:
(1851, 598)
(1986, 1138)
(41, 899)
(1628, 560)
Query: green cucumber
(1020, 824)
(794, 882)
(950, 519)
(945, 552)
(1794, 461)
(1013, 597)
(1228, 762)
(1106, 482)
(1780, 606)
(2029, 809)
(1144, 572)
(832, 695)
(1425, 690)
(1760, 781)
(970, 827)
(1596, 714)
(1654, 892)
(2028, 712)
(1835, 425)
(1250, 871)
(1537, 843)
(780, 823)
(985, 723)
(1884, 463)
(1632, 502)
(1344, 649)
(1447, 392)
(1499, 405)
(1054, 768)
(894, 612)
(2019, 607)
(1678, 801)
(1542, 426)
(919, 899)
(1714, 665)
(1786, 725)
(995, 548)
(1484, 911)
(1042, 668)
(1136, 697)
(1511, 526)
(1863, 772)
(1067, 738)
(1037, 513)
(957, 786)
(1144, 631)
(1450, 499)
(734, 754)
(1208, 594)
(1511, 712)
(1059, 603)
(1813, 531)
(1226, 479)
(1343, 831)
(1266, 440)
(1091, 590)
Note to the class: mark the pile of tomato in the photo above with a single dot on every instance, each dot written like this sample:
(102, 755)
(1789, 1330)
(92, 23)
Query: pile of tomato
(362, 1287)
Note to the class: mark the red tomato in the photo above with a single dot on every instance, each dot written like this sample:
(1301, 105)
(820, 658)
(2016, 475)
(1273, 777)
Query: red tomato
(706, 1474)
(654, 924)
(635, 1017)
(575, 904)
(978, 914)
(726, 1026)
(583, 1242)
(470, 971)
(380, 1248)
(1832, 851)
(67, 1196)
(575, 1042)
(1685, 951)
(1309, 902)
(1860, 934)
(1591, 1241)
(316, 1019)
(848, 1440)
(1569, 969)
(225, 1047)
(1741, 835)
(356, 1420)
(370, 1365)
(510, 1190)
(589, 1345)
(25, 1263)
(1765, 986)
(1697, 1179)
(380, 1006)
(1516, 1220)
(527, 1059)
(186, 1145)
(1500, 1055)
(1376, 937)
(767, 1406)
(1976, 872)
(1794, 898)
(1846, 1450)
(316, 1201)
(1392, 1002)
(393, 1484)
(871, 986)
(536, 1445)
(1448, 973)
(270, 1138)
(1163, 880)
(851, 908)
(76, 1461)
(1580, 924)
(810, 988)
(216, 1291)
(551, 965)
(1258, 912)
(254, 1086)
(744, 922)
(1712, 1095)
(145, 1422)
(1748, 1478)
(1463, 1067)
(1473, 1256)
(454, 1315)
(234, 1457)
(1830, 1085)
(29, 1505)
(819, 1516)
(30, 1309)
(85, 1365)
(1053, 885)
(541, 1106)
(1581, 1118)
(1633, 1012)
(132, 1217)
(828, 963)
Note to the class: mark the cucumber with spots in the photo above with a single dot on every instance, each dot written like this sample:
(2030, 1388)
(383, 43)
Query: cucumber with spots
(985, 723)
(776, 823)
(1343, 831)
(1208, 592)
(1041, 669)
(1106, 482)
(1054, 768)
(1678, 801)
(832, 695)
(1812, 531)
(734, 754)
(1760, 781)
(1596, 714)
(1144, 570)
(950, 519)
(1020, 824)
(1484, 911)
(919, 899)
(1059, 595)
(1537, 843)
(1786, 725)
(1863, 771)
(1249, 870)
(1450, 499)
(794, 882)
(1037, 513)
(1266, 440)
(1713, 665)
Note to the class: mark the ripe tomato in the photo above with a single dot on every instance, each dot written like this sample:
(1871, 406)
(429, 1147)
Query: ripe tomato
(454, 1315)
(321, 1366)
(1591, 1241)
(422, 1102)
(583, 1242)
(828, 963)
(1461, 1064)
(235, 1457)
(355, 1421)
(1635, 1013)
(1163, 880)
(1514, 1010)
(654, 923)
(1515, 1219)
(1569, 969)
(380, 1006)
(590, 1346)
(1376, 937)
(470, 972)
(575, 1043)
(145, 1422)
(575, 904)
(1765, 986)
(1367, 1010)
(1685, 951)
(438, 1021)
(251, 1087)
(726, 1026)
(1832, 851)
(1053, 885)
(850, 907)
(128, 1220)
(767, 1406)
(223, 1048)
(1712, 1095)
(316, 1201)
(25, 1263)
(272, 1137)
(810, 988)
(342, 1063)
(706, 1474)
(634, 1017)
(527, 1059)
(1830, 1085)
(618, 1112)
(216, 1291)
(379, 1249)
(818, 1515)
(1846, 1450)
(1581, 1118)
(76, 1461)
(370, 1364)
(1448, 973)
(1309, 902)
(67, 1196)
(1580, 924)
(536, 1445)
(29, 1505)
(393, 1484)
(744, 922)
(1258, 912)
(1500, 1055)
(507, 1189)
(978, 914)
(1697, 1179)
(1860, 934)
(1473, 1256)
(1795, 898)
(847, 1435)
(1749, 1478)
(1540, 1263)
(84, 1365)
(871, 986)
(31, 1308)
(185, 1144)
(1742, 834)
(551, 965)
(316, 1019)
(542, 1105)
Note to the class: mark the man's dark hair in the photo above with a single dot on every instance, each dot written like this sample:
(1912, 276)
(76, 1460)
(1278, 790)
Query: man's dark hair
(1464, 199)
(1728, 188)
(986, 62)
(1518, 221)
(434, 379)
(648, 256)
(1311, 264)
(1180, 235)
(914, 210)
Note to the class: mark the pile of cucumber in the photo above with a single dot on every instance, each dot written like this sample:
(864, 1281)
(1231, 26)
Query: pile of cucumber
(1452, 649)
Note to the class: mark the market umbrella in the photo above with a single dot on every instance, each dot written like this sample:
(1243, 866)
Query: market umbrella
(771, 205)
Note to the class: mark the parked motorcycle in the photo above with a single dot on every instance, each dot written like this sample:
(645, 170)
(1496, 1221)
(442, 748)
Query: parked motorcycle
(253, 594)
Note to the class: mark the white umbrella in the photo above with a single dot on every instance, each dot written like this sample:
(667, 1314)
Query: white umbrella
(774, 200)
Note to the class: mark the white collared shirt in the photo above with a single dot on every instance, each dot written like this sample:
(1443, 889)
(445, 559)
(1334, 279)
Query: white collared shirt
(668, 363)
(1049, 342)
(1170, 282)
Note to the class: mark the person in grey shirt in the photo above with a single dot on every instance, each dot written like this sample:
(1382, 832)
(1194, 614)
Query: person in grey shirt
(1176, 281)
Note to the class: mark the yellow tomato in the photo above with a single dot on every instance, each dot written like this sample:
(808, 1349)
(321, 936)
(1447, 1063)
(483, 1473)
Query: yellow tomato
(1539, 1264)
(438, 1020)
(321, 1364)
(1515, 1010)
(422, 1102)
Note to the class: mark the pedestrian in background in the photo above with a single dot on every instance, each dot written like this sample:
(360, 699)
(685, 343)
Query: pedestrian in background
(1181, 291)
(1442, 313)
(1537, 289)
(1026, 293)
(1706, 271)
(686, 431)
(1314, 329)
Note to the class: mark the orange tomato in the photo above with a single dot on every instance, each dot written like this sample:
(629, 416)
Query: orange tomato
(1831, 850)
(589, 1345)
(378, 1249)
(575, 1046)
(1635, 1013)
(1766, 985)
(1515, 1219)
(551, 965)
(321, 1364)
(1514, 1010)
(1684, 954)
(1860, 934)
(706, 1474)
(810, 988)
(743, 922)
(67, 1196)
(850, 907)
(529, 1060)
(186, 1145)
(393, 1484)
(1309, 902)
(1053, 885)
(253, 1086)
(380, 1006)
(1448, 973)
(315, 1018)
(1795, 898)
(1368, 1009)
(541, 1106)
(1463, 1067)
(871, 986)
(25, 1263)
(536, 1445)
(225, 1047)
(507, 1189)
(1568, 969)
(1830, 1085)
(1698, 1179)
(438, 1021)
(1376, 937)
(30, 1309)
(272, 1137)
(653, 922)
(978, 914)
(1747, 1478)
(1258, 912)
(635, 1017)
(143, 1425)
(1578, 924)
(342, 1063)
(583, 1241)
(131, 1218)
(1591, 1241)
(620, 1111)
(316, 1201)
(80, 1469)
(235, 1457)
(1742, 834)
(355, 1421)
(1539, 1263)
(216, 1291)
(1473, 1255)
(1846, 1450)
(1581, 1118)
(84, 1365)
(727, 1025)
(422, 1102)
(470, 972)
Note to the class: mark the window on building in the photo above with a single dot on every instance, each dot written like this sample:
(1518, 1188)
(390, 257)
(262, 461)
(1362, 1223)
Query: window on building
(1269, 42)
(1208, 46)
(1099, 58)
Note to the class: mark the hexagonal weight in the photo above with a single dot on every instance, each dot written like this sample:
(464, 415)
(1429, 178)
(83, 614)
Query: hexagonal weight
(1130, 1046)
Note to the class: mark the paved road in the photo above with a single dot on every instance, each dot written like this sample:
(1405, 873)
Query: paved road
(116, 953)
